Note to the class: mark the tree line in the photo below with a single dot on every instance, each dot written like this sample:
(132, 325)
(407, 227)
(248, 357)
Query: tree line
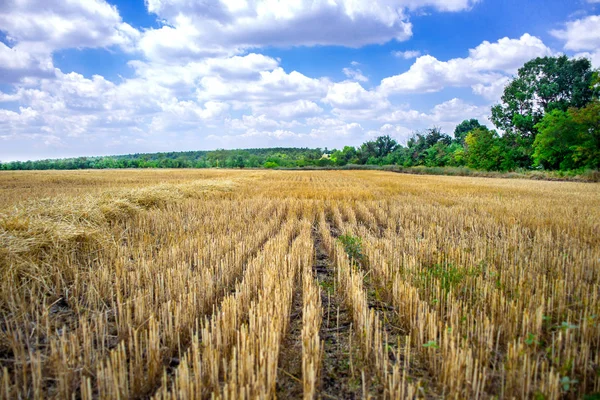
(548, 116)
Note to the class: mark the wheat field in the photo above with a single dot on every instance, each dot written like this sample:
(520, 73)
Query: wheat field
(185, 284)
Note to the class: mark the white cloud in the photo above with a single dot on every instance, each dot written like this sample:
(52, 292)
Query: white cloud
(195, 30)
(407, 55)
(399, 132)
(355, 74)
(428, 74)
(351, 96)
(16, 63)
(35, 29)
(341, 130)
(486, 64)
(257, 137)
(49, 25)
(295, 109)
(198, 30)
(270, 89)
(507, 54)
(259, 122)
(492, 91)
(181, 78)
(277, 134)
(182, 42)
(328, 129)
(445, 115)
(580, 35)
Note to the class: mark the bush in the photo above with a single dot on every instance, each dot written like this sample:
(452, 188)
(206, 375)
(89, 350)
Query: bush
(352, 246)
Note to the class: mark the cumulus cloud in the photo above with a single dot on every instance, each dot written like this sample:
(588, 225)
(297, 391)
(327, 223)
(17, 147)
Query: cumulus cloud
(194, 30)
(181, 78)
(351, 99)
(507, 54)
(259, 122)
(337, 129)
(295, 109)
(59, 24)
(17, 63)
(223, 27)
(492, 91)
(35, 29)
(271, 88)
(582, 35)
(486, 64)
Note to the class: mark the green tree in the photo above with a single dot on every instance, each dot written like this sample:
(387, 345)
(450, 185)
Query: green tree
(345, 156)
(366, 151)
(484, 149)
(437, 155)
(462, 129)
(542, 85)
(569, 140)
(553, 146)
(384, 145)
(587, 150)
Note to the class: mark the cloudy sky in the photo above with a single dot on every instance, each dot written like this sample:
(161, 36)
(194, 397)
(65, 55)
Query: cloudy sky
(97, 77)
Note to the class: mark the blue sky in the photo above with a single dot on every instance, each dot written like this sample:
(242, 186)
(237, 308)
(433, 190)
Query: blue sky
(97, 77)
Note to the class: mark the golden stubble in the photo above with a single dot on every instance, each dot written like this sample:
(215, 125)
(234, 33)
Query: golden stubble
(179, 284)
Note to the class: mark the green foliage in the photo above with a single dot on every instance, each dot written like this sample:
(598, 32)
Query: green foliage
(565, 326)
(373, 152)
(542, 85)
(531, 340)
(567, 383)
(432, 344)
(586, 152)
(485, 150)
(327, 286)
(448, 275)
(462, 129)
(352, 246)
(569, 139)
(554, 146)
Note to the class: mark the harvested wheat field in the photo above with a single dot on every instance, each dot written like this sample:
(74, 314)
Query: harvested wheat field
(188, 284)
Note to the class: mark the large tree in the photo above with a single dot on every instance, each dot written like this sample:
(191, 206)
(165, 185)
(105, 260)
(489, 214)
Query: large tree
(555, 143)
(377, 149)
(542, 85)
(384, 145)
(570, 139)
(486, 150)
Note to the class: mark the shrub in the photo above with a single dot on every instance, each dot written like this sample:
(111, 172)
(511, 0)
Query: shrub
(352, 246)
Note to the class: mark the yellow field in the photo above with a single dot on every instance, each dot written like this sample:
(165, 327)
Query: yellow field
(258, 284)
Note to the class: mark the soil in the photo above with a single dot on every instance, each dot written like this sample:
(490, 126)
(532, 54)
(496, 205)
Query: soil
(341, 376)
